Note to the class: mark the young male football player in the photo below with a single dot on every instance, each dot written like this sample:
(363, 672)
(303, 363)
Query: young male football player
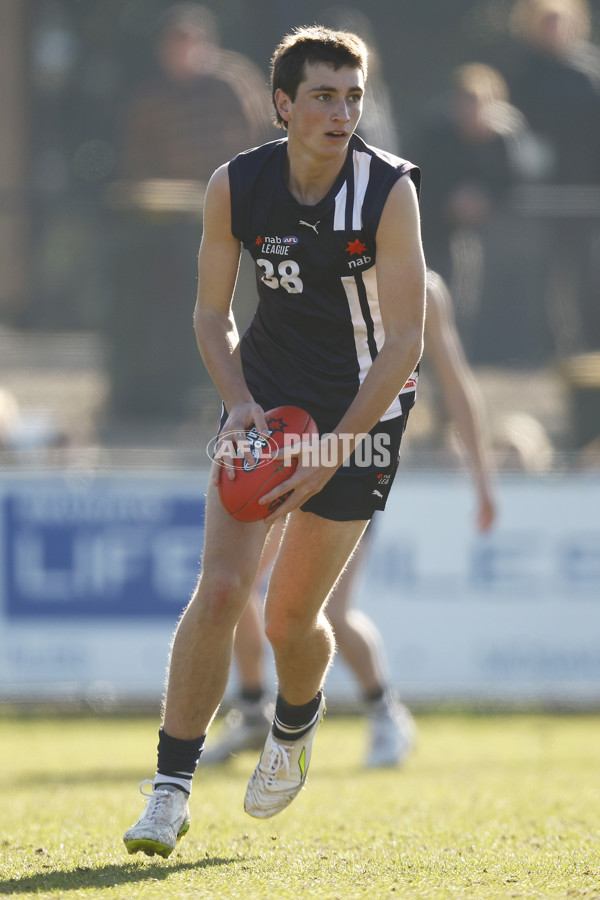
(333, 227)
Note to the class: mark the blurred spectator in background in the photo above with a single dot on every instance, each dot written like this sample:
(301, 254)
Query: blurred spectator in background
(554, 76)
(465, 155)
(377, 124)
(205, 105)
(553, 73)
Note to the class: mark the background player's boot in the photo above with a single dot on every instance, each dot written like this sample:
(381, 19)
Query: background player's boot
(165, 819)
(392, 733)
(245, 728)
(281, 772)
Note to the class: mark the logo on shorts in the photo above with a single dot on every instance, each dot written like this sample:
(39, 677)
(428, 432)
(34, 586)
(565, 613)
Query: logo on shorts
(411, 384)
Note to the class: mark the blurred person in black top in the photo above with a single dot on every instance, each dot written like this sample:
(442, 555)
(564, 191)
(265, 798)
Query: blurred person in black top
(554, 76)
(553, 73)
(465, 153)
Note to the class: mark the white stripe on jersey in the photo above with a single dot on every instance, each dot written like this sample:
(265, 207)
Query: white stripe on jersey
(362, 166)
(361, 170)
(359, 326)
(339, 218)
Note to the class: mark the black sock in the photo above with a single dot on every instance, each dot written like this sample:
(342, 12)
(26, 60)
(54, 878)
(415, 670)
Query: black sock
(293, 722)
(177, 760)
(251, 695)
(375, 695)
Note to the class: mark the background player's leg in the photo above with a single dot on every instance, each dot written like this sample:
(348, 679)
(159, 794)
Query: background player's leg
(391, 726)
(249, 645)
(250, 636)
(357, 638)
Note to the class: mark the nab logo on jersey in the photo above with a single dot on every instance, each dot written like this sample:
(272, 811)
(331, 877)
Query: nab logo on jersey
(357, 248)
(276, 245)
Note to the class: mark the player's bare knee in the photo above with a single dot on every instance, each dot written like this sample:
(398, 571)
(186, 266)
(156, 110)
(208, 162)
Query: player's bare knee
(277, 632)
(221, 595)
(284, 629)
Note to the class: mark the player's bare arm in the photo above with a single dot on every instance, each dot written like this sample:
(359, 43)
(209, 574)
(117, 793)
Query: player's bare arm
(401, 291)
(461, 396)
(214, 324)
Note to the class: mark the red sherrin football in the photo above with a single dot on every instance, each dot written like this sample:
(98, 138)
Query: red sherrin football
(240, 497)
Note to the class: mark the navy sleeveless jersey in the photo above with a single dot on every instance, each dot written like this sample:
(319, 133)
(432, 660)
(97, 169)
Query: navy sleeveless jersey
(317, 327)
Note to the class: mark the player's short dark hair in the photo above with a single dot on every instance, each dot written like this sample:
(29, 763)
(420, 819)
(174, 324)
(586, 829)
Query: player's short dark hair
(309, 45)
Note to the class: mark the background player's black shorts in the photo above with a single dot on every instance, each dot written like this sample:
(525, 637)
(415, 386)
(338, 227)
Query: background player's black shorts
(358, 491)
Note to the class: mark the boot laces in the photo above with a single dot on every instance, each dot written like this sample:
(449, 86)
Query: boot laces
(156, 799)
(278, 758)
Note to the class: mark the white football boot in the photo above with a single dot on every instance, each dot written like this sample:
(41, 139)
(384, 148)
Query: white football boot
(392, 733)
(281, 772)
(166, 818)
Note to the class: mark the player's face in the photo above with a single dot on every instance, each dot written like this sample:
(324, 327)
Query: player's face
(326, 109)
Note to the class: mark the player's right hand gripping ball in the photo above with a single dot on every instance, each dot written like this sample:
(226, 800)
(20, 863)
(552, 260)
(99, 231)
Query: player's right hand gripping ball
(240, 496)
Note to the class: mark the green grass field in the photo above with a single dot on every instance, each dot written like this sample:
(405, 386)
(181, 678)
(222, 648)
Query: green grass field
(494, 806)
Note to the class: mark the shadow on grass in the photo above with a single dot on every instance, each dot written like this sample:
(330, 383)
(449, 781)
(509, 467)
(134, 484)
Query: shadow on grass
(222, 772)
(88, 776)
(105, 876)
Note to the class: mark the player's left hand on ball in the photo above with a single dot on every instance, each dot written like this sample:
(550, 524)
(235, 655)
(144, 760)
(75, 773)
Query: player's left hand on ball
(241, 419)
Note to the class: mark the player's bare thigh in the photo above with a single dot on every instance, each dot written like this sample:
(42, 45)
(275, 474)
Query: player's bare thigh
(231, 554)
(312, 553)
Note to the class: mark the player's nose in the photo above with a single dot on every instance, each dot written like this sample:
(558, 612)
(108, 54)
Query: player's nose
(341, 111)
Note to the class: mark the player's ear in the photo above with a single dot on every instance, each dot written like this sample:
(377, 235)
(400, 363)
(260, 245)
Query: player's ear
(283, 104)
